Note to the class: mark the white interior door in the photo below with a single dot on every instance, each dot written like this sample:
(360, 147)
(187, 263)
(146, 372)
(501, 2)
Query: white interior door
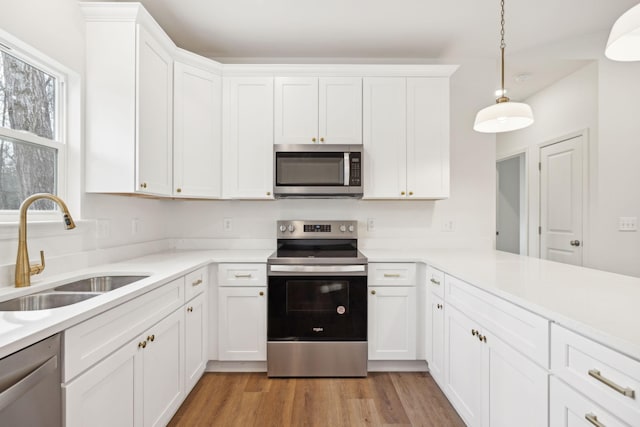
(561, 200)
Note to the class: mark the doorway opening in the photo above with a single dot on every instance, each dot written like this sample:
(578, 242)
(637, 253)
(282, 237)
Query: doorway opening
(511, 208)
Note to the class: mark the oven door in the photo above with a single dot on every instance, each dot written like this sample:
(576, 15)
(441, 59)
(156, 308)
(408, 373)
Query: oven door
(317, 308)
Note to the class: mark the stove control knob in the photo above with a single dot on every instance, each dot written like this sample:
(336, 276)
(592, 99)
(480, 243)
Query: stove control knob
(283, 228)
(343, 228)
(351, 228)
(292, 228)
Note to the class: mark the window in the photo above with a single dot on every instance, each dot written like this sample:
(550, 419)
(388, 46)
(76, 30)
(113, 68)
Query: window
(32, 149)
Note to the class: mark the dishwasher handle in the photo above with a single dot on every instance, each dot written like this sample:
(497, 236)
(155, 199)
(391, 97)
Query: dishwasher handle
(13, 393)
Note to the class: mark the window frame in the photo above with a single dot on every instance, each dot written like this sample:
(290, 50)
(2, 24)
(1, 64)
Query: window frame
(38, 60)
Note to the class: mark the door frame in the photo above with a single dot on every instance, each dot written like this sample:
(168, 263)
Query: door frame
(586, 190)
(524, 195)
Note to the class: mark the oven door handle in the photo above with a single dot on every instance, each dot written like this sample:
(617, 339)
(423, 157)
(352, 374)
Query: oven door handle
(317, 268)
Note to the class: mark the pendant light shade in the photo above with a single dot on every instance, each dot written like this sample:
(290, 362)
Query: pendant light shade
(504, 115)
(624, 39)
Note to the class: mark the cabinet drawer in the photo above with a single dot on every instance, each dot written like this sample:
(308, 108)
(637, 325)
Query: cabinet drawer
(569, 408)
(526, 332)
(91, 341)
(195, 283)
(435, 281)
(242, 274)
(392, 274)
(577, 360)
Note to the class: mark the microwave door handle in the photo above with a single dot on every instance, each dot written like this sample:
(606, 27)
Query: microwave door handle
(347, 169)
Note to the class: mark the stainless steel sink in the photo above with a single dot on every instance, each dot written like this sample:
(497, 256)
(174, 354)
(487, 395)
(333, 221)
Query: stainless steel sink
(44, 301)
(99, 283)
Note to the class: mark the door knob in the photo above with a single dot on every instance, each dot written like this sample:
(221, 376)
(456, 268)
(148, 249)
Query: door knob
(575, 243)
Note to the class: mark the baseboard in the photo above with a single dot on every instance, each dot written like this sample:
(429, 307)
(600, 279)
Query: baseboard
(372, 366)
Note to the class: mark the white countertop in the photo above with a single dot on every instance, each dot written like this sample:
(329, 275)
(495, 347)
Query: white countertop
(597, 304)
(603, 306)
(19, 329)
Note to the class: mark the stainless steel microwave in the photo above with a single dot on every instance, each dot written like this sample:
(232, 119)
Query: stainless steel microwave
(320, 171)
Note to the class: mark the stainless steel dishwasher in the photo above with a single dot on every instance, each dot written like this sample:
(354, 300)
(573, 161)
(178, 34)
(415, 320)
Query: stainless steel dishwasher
(30, 389)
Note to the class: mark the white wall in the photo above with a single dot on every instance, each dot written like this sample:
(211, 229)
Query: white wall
(603, 97)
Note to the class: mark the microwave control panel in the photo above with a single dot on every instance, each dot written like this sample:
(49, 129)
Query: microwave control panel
(355, 169)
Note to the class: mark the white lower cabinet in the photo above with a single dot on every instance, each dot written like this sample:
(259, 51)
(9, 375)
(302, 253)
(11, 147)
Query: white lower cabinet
(392, 323)
(140, 384)
(242, 323)
(195, 340)
(488, 382)
(569, 408)
(436, 358)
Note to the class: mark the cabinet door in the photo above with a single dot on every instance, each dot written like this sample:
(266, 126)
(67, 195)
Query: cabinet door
(197, 142)
(515, 390)
(392, 323)
(163, 370)
(296, 110)
(384, 137)
(107, 394)
(242, 323)
(463, 366)
(247, 143)
(195, 340)
(428, 137)
(340, 110)
(436, 360)
(154, 153)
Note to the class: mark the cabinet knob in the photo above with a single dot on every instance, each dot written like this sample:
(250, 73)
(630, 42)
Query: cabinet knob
(142, 344)
(402, 193)
(439, 306)
(268, 193)
(178, 190)
(190, 309)
(143, 185)
(373, 292)
(482, 338)
(575, 243)
(313, 139)
(411, 193)
(321, 139)
(261, 293)
(151, 338)
(474, 332)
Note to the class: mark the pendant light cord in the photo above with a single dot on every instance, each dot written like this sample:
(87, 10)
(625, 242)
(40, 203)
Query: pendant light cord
(502, 97)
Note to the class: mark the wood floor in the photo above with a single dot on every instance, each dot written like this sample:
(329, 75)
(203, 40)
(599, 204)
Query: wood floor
(252, 399)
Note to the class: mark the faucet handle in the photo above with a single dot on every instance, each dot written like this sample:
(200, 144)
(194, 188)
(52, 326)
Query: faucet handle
(37, 268)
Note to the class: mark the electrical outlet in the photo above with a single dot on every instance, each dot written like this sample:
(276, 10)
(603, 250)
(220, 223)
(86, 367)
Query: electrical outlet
(448, 225)
(227, 224)
(371, 224)
(628, 223)
(135, 226)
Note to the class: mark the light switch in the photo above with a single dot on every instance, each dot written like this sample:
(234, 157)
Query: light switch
(371, 224)
(227, 224)
(628, 223)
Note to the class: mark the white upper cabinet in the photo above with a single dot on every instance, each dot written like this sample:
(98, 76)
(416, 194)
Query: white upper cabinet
(129, 101)
(197, 141)
(312, 110)
(248, 137)
(406, 137)
(384, 137)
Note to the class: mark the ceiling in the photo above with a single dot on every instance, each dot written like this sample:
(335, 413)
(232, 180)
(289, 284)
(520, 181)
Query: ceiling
(383, 30)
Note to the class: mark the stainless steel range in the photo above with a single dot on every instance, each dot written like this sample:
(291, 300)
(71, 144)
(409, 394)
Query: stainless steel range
(317, 301)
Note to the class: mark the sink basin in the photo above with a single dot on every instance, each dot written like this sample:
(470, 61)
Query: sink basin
(43, 301)
(99, 283)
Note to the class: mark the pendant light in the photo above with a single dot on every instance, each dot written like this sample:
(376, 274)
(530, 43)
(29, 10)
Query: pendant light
(624, 39)
(504, 115)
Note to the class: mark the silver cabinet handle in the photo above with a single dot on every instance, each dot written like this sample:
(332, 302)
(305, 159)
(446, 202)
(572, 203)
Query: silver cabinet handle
(593, 420)
(197, 282)
(12, 393)
(391, 275)
(434, 281)
(626, 391)
(243, 275)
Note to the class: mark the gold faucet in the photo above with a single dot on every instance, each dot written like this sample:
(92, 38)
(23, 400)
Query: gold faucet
(24, 270)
